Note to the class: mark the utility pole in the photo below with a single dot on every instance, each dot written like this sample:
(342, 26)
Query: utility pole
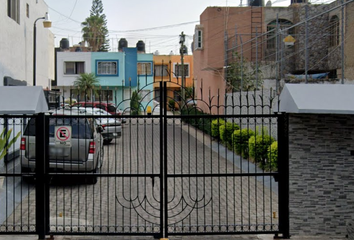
(182, 50)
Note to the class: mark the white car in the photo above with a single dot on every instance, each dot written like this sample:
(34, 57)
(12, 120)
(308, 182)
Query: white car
(112, 126)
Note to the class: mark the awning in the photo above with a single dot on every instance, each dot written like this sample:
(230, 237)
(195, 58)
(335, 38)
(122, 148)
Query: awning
(317, 98)
(22, 100)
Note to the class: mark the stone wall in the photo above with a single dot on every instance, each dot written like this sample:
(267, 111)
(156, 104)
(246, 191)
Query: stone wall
(318, 40)
(321, 174)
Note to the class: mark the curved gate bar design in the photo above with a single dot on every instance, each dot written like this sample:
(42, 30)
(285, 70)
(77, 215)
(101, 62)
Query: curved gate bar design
(197, 167)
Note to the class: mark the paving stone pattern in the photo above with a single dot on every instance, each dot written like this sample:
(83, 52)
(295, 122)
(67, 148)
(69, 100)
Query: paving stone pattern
(127, 200)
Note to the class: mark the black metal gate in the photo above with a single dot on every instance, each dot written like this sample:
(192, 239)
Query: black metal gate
(172, 172)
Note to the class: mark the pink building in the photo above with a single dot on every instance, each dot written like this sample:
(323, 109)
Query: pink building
(210, 58)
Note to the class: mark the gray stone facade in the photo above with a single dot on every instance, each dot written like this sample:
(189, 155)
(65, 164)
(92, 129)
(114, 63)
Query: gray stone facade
(321, 173)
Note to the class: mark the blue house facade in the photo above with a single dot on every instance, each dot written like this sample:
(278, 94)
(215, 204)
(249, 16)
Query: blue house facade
(119, 74)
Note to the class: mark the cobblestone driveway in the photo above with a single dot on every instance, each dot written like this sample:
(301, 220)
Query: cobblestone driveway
(206, 192)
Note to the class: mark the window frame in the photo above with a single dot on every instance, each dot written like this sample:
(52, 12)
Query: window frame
(13, 10)
(334, 31)
(75, 67)
(157, 73)
(116, 73)
(271, 34)
(180, 75)
(198, 39)
(150, 72)
(27, 10)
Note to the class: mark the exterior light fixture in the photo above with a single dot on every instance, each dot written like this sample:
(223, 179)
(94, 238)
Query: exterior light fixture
(47, 24)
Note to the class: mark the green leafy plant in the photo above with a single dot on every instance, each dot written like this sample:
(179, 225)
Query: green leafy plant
(240, 141)
(215, 127)
(242, 75)
(4, 138)
(171, 104)
(135, 103)
(202, 123)
(272, 159)
(86, 83)
(258, 147)
(226, 131)
(94, 28)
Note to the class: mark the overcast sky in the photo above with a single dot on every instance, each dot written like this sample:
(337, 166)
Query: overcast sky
(157, 22)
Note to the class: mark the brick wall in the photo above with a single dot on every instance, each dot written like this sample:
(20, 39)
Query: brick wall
(321, 173)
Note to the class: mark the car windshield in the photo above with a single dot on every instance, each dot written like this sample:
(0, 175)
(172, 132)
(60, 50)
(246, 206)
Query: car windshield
(80, 127)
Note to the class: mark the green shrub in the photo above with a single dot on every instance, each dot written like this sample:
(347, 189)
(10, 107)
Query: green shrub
(226, 131)
(202, 123)
(171, 104)
(272, 157)
(6, 142)
(135, 108)
(240, 141)
(215, 125)
(258, 147)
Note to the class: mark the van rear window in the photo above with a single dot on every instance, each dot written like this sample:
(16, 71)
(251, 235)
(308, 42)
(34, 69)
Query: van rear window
(79, 126)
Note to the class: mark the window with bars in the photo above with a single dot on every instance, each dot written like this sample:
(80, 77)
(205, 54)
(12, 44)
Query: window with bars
(161, 70)
(13, 10)
(74, 67)
(334, 31)
(144, 68)
(107, 68)
(272, 31)
(178, 70)
(104, 95)
(198, 39)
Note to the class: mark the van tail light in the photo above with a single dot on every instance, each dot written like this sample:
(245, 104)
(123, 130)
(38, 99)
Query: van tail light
(23, 143)
(92, 148)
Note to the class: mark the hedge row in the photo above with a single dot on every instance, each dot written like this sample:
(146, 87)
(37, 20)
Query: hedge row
(260, 147)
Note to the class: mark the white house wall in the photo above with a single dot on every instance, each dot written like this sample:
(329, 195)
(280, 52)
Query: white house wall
(66, 82)
(16, 41)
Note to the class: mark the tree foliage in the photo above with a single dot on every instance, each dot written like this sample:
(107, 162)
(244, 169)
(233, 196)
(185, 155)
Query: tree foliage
(242, 75)
(135, 103)
(94, 28)
(86, 83)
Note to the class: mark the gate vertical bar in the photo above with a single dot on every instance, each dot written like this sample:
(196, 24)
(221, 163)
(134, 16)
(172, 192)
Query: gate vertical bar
(162, 108)
(165, 158)
(42, 186)
(283, 171)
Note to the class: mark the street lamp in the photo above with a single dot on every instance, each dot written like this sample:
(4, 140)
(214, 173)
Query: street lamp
(47, 24)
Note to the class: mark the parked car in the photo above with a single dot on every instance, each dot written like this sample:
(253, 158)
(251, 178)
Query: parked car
(84, 153)
(109, 107)
(112, 127)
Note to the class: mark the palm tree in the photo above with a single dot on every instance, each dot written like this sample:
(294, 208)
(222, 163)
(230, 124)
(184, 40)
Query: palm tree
(86, 82)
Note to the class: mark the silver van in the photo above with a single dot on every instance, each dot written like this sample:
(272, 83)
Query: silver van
(75, 145)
